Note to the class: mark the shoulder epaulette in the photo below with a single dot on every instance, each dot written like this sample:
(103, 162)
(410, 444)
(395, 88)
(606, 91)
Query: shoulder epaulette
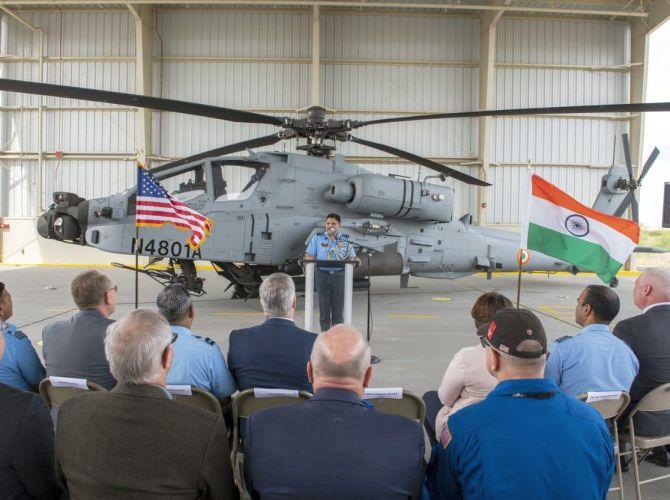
(205, 339)
(563, 339)
(18, 334)
(320, 234)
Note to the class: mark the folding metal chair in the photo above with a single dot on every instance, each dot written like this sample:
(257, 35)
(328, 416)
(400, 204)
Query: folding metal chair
(656, 401)
(198, 397)
(388, 401)
(56, 390)
(611, 406)
(244, 404)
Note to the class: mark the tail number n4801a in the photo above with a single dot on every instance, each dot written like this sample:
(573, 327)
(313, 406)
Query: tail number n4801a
(164, 248)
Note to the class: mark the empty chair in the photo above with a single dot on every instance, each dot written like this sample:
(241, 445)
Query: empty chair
(655, 405)
(397, 401)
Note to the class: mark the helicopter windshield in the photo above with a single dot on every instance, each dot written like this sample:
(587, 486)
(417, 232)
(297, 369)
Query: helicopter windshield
(185, 185)
(236, 181)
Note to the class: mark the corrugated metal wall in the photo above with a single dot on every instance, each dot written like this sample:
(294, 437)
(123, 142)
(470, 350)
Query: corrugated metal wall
(583, 143)
(372, 66)
(72, 39)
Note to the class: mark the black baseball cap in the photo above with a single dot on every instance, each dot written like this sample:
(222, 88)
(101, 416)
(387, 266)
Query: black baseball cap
(508, 328)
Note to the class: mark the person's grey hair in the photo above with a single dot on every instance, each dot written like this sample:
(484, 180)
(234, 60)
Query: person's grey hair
(134, 346)
(88, 289)
(174, 302)
(526, 365)
(277, 294)
(353, 367)
(659, 278)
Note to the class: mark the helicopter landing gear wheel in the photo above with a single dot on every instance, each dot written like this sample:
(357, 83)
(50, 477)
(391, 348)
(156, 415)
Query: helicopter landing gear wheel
(244, 278)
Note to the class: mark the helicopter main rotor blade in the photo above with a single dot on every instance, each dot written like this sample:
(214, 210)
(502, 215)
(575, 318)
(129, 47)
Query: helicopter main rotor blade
(443, 169)
(225, 150)
(647, 165)
(637, 107)
(136, 100)
(626, 156)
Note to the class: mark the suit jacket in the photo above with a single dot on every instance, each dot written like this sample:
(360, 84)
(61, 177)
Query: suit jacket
(648, 335)
(273, 355)
(76, 348)
(136, 443)
(26, 446)
(333, 446)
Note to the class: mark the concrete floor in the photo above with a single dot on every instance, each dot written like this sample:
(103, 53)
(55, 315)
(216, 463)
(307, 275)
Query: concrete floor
(415, 331)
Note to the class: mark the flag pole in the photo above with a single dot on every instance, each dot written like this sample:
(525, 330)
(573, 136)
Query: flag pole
(520, 253)
(140, 164)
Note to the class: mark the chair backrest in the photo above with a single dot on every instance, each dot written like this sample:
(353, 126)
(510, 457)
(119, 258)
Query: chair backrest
(195, 396)
(55, 390)
(397, 401)
(656, 400)
(610, 404)
(251, 400)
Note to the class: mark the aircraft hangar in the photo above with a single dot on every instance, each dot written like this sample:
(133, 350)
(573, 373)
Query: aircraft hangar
(363, 60)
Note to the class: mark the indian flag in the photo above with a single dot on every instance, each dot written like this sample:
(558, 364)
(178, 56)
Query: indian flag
(560, 226)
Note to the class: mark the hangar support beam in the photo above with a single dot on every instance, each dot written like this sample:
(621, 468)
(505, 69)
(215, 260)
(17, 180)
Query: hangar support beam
(144, 30)
(488, 23)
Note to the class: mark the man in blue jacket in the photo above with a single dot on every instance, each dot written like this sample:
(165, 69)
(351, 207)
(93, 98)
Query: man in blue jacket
(274, 354)
(527, 439)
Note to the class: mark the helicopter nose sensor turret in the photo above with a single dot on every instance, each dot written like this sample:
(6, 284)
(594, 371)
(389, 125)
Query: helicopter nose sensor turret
(65, 220)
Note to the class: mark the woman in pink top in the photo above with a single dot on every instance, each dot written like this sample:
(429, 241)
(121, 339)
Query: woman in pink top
(467, 380)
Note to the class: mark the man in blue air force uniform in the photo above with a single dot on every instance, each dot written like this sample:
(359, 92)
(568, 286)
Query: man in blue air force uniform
(20, 367)
(198, 361)
(527, 439)
(335, 246)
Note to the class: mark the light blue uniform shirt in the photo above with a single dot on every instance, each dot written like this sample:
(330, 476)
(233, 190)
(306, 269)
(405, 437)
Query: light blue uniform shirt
(20, 367)
(198, 361)
(321, 247)
(593, 360)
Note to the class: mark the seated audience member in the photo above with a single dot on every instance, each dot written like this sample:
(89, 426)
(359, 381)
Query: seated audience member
(273, 354)
(527, 439)
(26, 444)
(466, 380)
(75, 347)
(648, 335)
(594, 359)
(197, 360)
(20, 367)
(135, 442)
(334, 445)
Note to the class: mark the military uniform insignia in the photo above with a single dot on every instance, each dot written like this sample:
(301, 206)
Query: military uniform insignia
(445, 435)
(324, 244)
(563, 339)
(18, 334)
(340, 244)
(205, 339)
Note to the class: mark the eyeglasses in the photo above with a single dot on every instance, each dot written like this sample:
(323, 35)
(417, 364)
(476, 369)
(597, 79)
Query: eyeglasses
(172, 341)
(115, 288)
(2, 287)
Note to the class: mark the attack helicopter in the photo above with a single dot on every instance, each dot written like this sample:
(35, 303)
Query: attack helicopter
(408, 226)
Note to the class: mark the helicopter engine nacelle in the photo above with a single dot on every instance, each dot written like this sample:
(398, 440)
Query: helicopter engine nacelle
(394, 197)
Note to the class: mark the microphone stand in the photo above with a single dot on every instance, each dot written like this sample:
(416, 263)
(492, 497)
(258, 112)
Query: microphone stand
(368, 251)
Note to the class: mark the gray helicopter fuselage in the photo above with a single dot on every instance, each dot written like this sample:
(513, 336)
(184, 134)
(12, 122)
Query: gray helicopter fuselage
(270, 223)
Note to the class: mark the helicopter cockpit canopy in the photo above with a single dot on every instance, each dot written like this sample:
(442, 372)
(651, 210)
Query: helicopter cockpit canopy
(223, 180)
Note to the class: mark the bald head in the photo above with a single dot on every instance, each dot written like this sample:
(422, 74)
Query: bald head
(340, 359)
(652, 287)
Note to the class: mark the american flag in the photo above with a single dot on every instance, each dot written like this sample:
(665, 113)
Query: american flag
(155, 207)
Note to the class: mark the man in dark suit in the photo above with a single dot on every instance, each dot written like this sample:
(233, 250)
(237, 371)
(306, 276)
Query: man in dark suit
(135, 442)
(75, 347)
(334, 445)
(648, 335)
(274, 354)
(26, 443)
